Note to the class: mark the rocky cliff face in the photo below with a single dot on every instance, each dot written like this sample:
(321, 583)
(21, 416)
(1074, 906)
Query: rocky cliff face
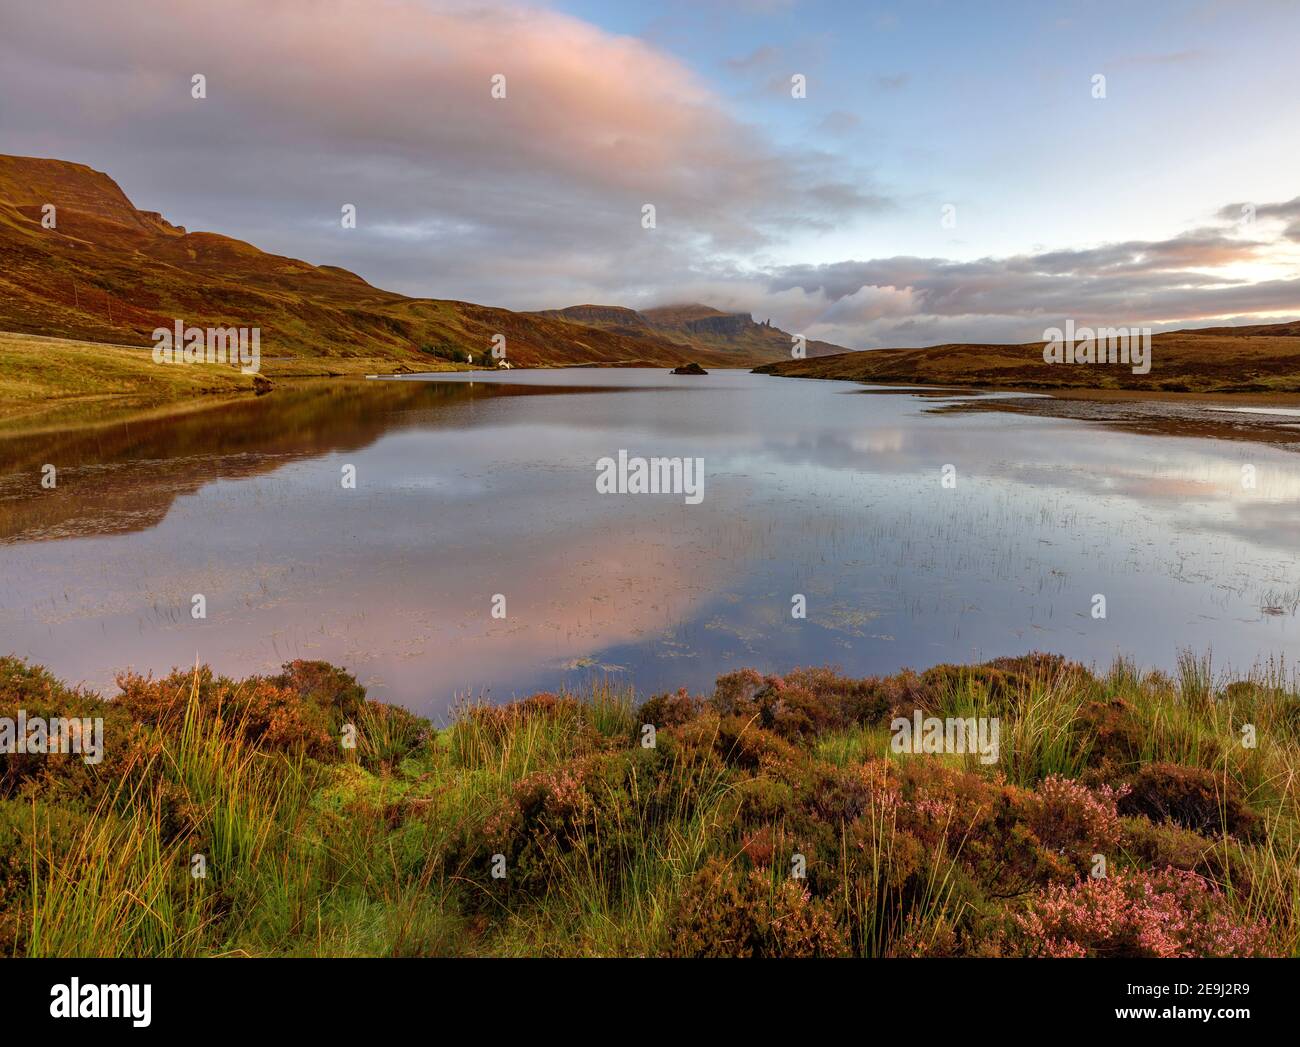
(728, 325)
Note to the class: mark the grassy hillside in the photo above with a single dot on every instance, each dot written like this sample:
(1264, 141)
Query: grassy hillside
(1257, 359)
(689, 847)
(48, 383)
(36, 371)
(108, 272)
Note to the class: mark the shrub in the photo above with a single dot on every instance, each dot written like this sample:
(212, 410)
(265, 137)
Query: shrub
(805, 703)
(726, 912)
(324, 687)
(669, 710)
(1169, 913)
(258, 710)
(1167, 845)
(1003, 682)
(586, 812)
(758, 801)
(738, 741)
(1114, 734)
(848, 702)
(1076, 821)
(942, 683)
(34, 691)
(987, 827)
(1192, 797)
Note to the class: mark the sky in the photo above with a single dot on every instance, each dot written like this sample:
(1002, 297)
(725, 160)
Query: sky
(954, 171)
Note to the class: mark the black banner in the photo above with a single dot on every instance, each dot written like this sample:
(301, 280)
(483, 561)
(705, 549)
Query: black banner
(150, 997)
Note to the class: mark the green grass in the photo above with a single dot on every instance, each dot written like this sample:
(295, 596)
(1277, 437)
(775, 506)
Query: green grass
(387, 848)
(33, 369)
(53, 383)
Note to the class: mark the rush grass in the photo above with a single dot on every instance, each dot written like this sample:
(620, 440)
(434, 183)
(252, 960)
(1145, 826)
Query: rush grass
(289, 815)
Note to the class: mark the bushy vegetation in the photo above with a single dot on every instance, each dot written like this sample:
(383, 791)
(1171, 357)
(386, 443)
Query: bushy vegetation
(1123, 816)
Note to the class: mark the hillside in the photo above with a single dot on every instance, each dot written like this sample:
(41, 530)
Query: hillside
(1254, 359)
(695, 326)
(109, 272)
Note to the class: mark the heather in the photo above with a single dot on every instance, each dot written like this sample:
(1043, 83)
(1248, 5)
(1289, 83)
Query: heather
(1125, 815)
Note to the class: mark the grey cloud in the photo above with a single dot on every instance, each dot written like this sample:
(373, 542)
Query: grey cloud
(911, 301)
(1289, 209)
(458, 194)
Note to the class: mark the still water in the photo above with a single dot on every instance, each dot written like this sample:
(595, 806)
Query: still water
(470, 487)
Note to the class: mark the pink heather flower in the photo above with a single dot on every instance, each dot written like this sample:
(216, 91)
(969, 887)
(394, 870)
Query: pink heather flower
(1161, 914)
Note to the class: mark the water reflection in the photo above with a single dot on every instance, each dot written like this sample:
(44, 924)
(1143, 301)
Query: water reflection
(469, 487)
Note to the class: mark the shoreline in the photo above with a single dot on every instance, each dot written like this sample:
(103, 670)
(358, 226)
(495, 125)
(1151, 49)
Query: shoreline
(1154, 413)
(58, 385)
(53, 384)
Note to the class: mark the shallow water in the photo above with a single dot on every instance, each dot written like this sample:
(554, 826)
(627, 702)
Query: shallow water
(472, 486)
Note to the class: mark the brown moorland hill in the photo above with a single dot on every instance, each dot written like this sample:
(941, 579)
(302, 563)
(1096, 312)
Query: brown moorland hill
(1262, 358)
(109, 272)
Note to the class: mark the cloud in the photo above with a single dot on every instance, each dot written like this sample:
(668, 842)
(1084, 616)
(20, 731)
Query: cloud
(536, 200)
(908, 301)
(914, 301)
(1161, 59)
(1287, 211)
(386, 104)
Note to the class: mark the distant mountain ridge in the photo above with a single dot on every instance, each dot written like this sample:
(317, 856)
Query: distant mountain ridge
(109, 272)
(693, 324)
